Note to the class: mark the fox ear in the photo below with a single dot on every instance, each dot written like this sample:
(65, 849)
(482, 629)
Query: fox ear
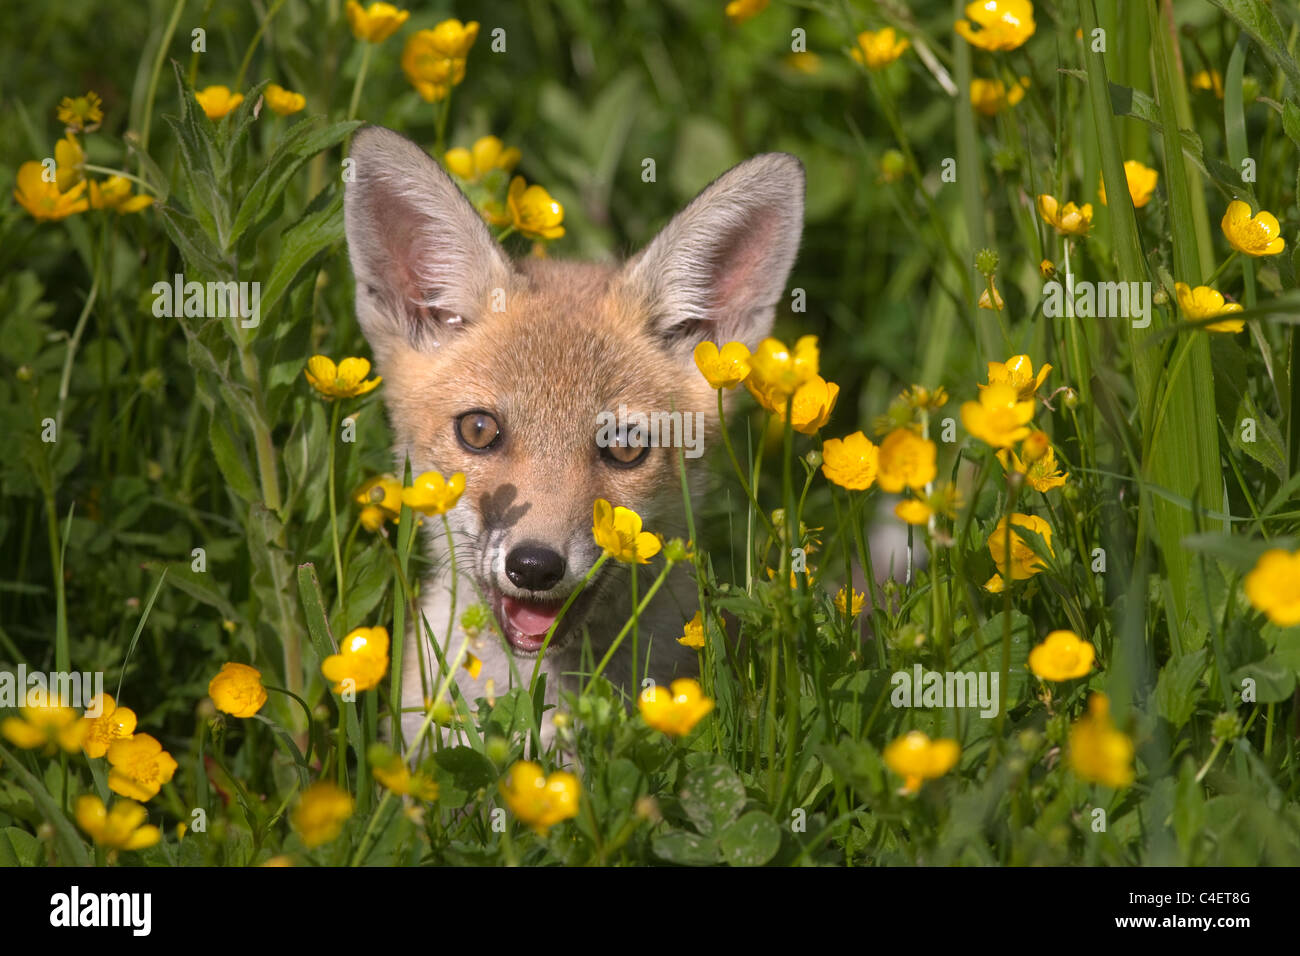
(422, 256)
(717, 270)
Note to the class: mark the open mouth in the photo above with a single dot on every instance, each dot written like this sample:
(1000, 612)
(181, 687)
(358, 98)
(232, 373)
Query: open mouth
(525, 622)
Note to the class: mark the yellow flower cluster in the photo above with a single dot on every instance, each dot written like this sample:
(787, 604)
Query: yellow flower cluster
(51, 194)
(434, 60)
(539, 800)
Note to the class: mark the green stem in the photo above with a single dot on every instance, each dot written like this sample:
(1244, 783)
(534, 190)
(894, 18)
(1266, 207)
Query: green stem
(252, 45)
(334, 520)
(609, 654)
(165, 42)
(361, 80)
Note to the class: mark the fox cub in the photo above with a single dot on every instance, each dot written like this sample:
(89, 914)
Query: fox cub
(504, 369)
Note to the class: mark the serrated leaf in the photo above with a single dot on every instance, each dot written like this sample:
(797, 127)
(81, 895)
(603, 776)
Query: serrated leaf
(231, 461)
(302, 142)
(1178, 688)
(311, 235)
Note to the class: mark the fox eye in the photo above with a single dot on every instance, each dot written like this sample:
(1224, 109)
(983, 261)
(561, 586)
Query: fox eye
(622, 454)
(477, 431)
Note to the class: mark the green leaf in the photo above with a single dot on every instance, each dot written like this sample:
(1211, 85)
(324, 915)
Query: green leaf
(1274, 678)
(70, 844)
(313, 604)
(686, 849)
(316, 231)
(1259, 22)
(232, 461)
(200, 586)
(712, 797)
(1178, 689)
(750, 841)
(302, 142)
(18, 848)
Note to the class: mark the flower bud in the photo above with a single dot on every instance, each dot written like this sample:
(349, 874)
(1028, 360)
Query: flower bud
(24, 373)
(814, 459)
(986, 261)
(1160, 296)
(892, 166)
(1047, 269)
(1070, 398)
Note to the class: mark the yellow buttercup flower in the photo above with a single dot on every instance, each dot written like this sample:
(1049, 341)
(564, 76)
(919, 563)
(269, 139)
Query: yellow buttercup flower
(913, 511)
(693, 632)
(1253, 236)
(81, 114)
(1018, 372)
(217, 101)
(618, 531)
(434, 60)
(538, 800)
(1209, 80)
(375, 23)
(1061, 657)
(392, 771)
(1067, 220)
(920, 397)
(1141, 183)
(1041, 473)
(916, 758)
(47, 726)
(533, 212)
(381, 500)
(362, 659)
(879, 49)
(906, 460)
(804, 62)
(851, 462)
(431, 494)
(345, 380)
(1204, 302)
(998, 418)
(1025, 563)
(113, 723)
(1098, 751)
(237, 690)
(842, 602)
(813, 402)
(776, 371)
(1273, 586)
(69, 158)
(322, 810)
(116, 829)
(140, 767)
(1004, 24)
(738, 11)
(723, 368)
(1035, 446)
(44, 200)
(675, 711)
(487, 153)
(115, 193)
(1047, 269)
(284, 102)
(991, 97)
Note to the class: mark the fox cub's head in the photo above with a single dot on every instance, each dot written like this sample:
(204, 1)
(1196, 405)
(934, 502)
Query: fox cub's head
(513, 372)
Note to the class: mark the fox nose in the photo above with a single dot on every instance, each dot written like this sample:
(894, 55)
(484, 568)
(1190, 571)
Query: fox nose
(534, 567)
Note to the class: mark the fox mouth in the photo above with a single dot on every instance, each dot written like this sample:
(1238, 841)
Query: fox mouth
(525, 621)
